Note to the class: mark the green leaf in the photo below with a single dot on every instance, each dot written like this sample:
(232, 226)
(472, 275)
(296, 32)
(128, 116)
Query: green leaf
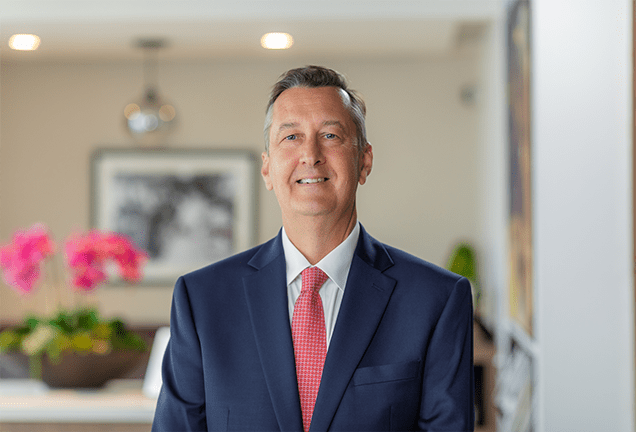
(87, 319)
(64, 322)
(32, 322)
(462, 262)
(9, 340)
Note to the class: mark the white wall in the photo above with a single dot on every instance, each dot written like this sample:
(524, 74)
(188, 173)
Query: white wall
(421, 196)
(582, 209)
(492, 164)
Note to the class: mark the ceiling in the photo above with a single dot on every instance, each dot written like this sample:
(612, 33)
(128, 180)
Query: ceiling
(196, 29)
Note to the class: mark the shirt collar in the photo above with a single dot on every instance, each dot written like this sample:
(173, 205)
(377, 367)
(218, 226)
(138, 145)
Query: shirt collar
(336, 264)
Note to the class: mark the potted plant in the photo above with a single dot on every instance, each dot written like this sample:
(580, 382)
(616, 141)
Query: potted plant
(76, 347)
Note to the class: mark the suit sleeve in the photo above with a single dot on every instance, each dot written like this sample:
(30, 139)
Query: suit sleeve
(181, 403)
(448, 380)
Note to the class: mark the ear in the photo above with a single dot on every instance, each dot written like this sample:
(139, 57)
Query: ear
(366, 163)
(265, 172)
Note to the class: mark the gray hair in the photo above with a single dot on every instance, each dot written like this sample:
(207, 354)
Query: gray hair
(315, 77)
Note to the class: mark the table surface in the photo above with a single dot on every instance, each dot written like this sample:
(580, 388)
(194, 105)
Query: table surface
(120, 401)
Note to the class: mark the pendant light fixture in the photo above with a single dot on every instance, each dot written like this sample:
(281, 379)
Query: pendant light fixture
(150, 118)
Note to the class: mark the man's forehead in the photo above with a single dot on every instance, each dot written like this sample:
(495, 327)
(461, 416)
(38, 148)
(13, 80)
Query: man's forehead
(296, 102)
(299, 93)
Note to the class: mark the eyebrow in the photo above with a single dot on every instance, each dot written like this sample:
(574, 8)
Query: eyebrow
(334, 123)
(290, 125)
(287, 126)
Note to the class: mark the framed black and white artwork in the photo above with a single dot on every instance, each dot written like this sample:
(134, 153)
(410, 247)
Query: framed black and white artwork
(186, 208)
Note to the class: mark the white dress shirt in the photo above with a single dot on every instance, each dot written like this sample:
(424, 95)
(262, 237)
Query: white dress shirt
(336, 265)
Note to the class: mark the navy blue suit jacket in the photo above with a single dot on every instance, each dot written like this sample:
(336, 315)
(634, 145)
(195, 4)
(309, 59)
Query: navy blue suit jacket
(400, 357)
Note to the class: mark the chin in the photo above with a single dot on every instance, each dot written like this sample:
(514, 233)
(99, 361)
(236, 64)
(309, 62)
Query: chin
(312, 210)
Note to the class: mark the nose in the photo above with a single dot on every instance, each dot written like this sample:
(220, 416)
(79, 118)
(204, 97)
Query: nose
(312, 153)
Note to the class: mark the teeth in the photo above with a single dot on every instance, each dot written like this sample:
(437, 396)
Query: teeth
(310, 181)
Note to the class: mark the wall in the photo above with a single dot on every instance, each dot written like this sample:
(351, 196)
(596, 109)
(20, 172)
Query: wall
(421, 195)
(583, 208)
(493, 208)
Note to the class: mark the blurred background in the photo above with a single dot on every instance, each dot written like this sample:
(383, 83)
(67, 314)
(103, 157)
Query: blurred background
(557, 352)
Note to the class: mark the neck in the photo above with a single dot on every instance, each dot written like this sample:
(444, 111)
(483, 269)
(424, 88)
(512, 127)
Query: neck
(316, 236)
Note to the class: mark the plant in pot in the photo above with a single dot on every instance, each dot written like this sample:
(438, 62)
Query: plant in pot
(72, 347)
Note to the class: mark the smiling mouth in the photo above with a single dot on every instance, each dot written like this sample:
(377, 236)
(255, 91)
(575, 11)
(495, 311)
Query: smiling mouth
(312, 180)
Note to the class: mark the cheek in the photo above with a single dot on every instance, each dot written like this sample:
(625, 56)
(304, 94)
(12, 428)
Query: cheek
(281, 169)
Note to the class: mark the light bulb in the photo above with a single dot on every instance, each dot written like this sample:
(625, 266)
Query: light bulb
(277, 41)
(149, 117)
(24, 42)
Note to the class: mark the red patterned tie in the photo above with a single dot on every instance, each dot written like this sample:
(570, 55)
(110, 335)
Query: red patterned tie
(310, 340)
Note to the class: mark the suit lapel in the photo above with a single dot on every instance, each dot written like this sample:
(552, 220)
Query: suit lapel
(266, 295)
(366, 296)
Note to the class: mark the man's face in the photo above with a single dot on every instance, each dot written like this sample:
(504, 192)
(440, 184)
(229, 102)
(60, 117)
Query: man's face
(313, 165)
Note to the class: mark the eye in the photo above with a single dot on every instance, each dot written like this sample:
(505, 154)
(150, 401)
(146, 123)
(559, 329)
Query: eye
(330, 136)
(290, 137)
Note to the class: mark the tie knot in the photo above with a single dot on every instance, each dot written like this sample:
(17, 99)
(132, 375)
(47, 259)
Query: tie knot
(313, 278)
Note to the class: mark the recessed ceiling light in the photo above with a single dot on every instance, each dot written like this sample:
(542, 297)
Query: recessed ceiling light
(24, 42)
(277, 41)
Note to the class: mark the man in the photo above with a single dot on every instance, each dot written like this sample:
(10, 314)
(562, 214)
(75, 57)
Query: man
(322, 327)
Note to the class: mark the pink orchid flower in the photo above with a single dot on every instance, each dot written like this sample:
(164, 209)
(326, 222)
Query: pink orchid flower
(87, 255)
(22, 258)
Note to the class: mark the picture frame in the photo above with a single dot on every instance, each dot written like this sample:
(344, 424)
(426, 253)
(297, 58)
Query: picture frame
(186, 208)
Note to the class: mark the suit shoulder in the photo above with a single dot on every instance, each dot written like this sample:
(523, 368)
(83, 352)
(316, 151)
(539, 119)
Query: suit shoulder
(235, 265)
(393, 261)
(407, 261)
(424, 276)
